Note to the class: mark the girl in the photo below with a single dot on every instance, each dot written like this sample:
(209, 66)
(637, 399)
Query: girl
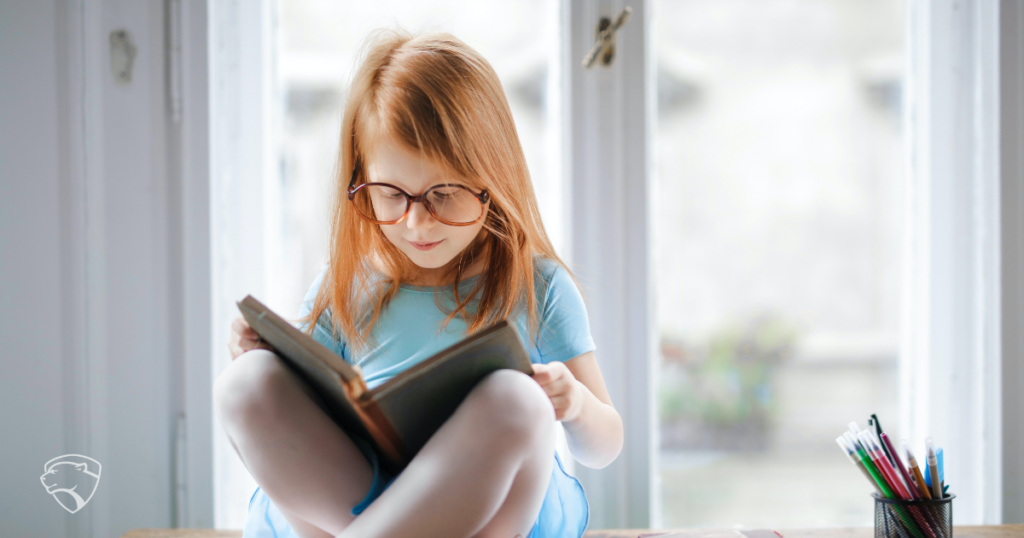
(435, 234)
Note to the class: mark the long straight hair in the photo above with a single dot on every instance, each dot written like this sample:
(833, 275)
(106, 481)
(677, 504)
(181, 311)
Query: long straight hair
(439, 98)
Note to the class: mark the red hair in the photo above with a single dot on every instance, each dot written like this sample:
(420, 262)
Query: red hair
(439, 98)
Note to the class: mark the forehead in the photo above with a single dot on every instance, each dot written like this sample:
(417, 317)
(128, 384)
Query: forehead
(396, 164)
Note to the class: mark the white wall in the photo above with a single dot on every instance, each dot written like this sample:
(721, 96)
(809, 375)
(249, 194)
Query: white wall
(30, 269)
(1011, 169)
(92, 266)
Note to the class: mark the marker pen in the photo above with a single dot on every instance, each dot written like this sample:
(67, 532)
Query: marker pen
(883, 464)
(942, 473)
(853, 440)
(899, 464)
(915, 470)
(851, 453)
(933, 468)
(865, 460)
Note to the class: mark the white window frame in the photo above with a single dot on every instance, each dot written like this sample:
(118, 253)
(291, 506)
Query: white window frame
(607, 126)
(241, 86)
(963, 243)
(189, 100)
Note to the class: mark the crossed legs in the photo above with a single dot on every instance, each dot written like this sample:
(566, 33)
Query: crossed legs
(484, 473)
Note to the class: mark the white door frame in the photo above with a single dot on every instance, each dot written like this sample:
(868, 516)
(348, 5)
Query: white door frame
(607, 118)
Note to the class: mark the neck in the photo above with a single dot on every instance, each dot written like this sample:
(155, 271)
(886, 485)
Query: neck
(436, 277)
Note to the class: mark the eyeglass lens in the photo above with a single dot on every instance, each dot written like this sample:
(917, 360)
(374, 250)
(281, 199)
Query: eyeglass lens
(446, 203)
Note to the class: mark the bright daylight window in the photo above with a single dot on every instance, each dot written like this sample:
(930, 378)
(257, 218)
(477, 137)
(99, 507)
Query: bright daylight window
(779, 160)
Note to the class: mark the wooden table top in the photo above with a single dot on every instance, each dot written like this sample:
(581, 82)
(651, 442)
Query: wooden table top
(992, 531)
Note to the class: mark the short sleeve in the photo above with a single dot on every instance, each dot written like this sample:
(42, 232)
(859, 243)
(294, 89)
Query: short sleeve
(324, 332)
(564, 326)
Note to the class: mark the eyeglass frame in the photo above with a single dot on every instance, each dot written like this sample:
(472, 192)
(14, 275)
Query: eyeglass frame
(483, 196)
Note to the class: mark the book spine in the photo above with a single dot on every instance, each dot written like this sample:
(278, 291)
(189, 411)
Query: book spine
(355, 386)
(384, 434)
(377, 424)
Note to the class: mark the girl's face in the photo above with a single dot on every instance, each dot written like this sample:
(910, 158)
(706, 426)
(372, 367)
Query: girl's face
(427, 242)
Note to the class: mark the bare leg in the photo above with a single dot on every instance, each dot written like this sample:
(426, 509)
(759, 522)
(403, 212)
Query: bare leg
(484, 473)
(302, 527)
(304, 463)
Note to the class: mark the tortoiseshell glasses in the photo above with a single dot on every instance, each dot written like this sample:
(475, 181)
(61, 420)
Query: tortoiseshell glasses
(448, 203)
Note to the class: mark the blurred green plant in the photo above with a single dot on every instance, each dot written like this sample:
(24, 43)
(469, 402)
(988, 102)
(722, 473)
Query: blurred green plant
(720, 391)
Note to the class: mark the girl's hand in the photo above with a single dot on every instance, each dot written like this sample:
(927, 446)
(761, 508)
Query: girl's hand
(243, 338)
(565, 392)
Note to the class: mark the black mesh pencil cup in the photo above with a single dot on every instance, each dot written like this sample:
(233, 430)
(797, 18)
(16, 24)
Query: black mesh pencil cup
(913, 519)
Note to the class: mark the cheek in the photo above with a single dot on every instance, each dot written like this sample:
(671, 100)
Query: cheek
(462, 236)
(392, 233)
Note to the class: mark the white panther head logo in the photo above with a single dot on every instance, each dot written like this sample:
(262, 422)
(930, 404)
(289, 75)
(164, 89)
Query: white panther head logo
(71, 479)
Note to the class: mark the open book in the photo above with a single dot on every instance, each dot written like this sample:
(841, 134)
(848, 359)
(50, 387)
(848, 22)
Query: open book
(400, 415)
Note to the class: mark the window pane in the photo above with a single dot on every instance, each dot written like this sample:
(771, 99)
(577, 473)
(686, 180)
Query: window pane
(779, 158)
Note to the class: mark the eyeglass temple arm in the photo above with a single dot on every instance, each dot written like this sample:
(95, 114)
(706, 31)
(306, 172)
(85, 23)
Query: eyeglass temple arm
(352, 182)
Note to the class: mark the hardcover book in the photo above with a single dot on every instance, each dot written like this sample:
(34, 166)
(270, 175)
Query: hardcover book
(400, 415)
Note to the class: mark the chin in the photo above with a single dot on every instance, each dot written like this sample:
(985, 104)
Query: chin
(429, 260)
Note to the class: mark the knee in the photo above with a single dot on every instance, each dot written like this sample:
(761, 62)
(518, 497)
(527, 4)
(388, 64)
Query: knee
(249, 386)
(515, 406)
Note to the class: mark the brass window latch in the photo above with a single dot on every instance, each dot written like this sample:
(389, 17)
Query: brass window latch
(604, 45)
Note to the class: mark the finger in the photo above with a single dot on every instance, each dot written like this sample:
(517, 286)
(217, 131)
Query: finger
(542, 373)
(257, 343)
(551, 391)
(555, 386)
(560, 402)
(240, 326)
(559, 370)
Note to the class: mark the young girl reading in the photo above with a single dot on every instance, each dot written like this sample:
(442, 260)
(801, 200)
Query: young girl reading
(435, 234)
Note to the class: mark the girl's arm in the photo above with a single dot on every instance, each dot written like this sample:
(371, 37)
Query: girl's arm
(592, 425)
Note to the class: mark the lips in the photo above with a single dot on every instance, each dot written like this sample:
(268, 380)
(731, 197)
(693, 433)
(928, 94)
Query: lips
(425, 245)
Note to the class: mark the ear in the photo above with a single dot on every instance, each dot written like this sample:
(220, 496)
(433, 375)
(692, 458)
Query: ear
(81, 467)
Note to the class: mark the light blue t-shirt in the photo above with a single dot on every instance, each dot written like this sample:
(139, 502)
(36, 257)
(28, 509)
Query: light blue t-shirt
(407, 330)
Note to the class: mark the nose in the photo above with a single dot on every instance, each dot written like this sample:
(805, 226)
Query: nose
(419, 218)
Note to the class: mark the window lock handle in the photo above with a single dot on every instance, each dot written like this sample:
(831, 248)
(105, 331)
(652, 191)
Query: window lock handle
(604, 45)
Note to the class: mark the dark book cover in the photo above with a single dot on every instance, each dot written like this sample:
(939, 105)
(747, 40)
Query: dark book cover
(400, 415)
